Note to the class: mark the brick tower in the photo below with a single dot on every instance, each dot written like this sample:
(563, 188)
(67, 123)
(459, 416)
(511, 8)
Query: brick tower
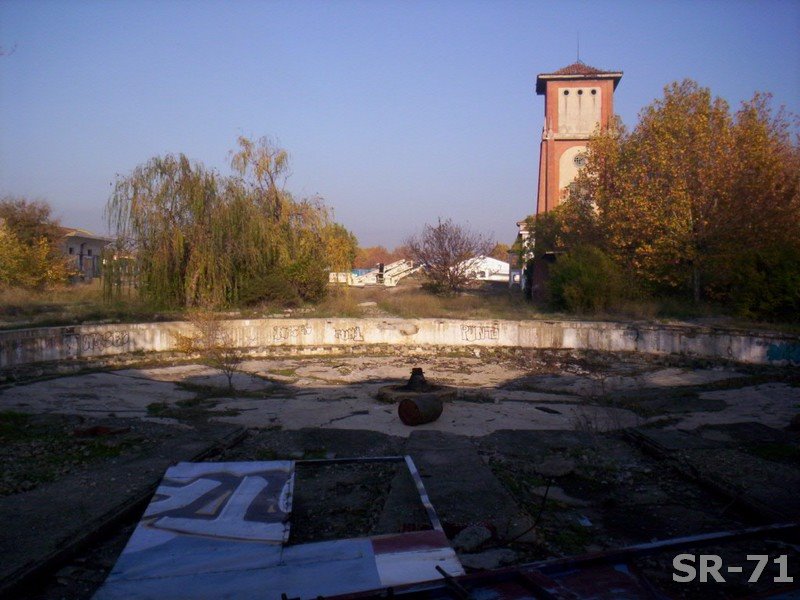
(578, 98)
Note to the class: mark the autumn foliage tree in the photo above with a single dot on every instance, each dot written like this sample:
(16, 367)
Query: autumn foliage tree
(500, 251)
(29, 253)
(370, 256)
(695, 201)
(367, 258)
(341, 248)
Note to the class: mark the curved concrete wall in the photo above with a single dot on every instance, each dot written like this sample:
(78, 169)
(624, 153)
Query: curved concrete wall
(28, 346)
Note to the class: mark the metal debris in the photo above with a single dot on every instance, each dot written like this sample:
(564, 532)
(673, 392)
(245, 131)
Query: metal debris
(217, 530)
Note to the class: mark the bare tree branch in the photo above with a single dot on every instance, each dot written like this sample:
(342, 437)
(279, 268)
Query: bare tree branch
(445, 250)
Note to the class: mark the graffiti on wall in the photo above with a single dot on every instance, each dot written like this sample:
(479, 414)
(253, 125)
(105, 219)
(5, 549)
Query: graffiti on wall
(475, 333)
(784, 352)
(101, 341)
(282, 333)
(91, 342)
(349, 334)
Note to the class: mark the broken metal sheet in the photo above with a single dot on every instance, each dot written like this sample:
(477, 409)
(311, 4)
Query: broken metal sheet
(205, 518)
(597, 576)
(246, 501)
(217, 530)
(598, 582)
(411, 557)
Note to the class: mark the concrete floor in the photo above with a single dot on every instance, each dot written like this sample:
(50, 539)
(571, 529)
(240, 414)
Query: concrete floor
(296, 408)
(494, 394)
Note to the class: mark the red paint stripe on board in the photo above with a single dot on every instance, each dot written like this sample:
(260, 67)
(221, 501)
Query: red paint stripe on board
(408, 542)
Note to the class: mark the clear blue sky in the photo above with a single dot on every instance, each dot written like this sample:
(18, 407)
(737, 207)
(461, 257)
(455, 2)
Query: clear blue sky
(394, 112)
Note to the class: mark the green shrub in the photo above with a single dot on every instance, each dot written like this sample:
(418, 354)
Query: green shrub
(586, 280)
(766, 285)
(309, 278)
(271, 287)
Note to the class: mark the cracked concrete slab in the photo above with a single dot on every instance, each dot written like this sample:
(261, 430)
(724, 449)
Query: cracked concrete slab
(340, 393)
(453, 465)
(772, 404)
(98, 394)
(462, 418)
(468, 371)
(675, 377)
(201, 375)
(606, 381)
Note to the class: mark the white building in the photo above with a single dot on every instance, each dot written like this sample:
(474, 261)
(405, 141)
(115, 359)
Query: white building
(486, 268)
(83, 250)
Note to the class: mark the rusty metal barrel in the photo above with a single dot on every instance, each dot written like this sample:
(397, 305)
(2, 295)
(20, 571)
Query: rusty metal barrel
(422, 409)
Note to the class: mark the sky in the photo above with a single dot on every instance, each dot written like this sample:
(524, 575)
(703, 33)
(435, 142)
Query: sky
(396, 113)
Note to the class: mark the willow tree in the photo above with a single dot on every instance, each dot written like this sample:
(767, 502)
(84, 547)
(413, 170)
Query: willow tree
(202, 239)
(165, 207)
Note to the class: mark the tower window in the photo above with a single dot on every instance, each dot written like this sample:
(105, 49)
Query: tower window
(594, 92)
(580, 92)
(566, 92)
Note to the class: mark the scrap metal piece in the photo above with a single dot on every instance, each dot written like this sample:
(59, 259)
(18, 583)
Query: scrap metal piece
(423, 494)
(422, 409)
(247, 501)
(221, 530)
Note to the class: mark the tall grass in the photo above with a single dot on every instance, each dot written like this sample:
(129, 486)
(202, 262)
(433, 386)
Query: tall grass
(339, 302)
(68, 305)
(83, 303)
(468, 305)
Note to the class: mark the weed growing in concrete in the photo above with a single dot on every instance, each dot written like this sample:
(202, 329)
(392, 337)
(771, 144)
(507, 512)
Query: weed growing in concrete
(193, 409)
(214, 344)
(290, 372)
(571, 538)
(777, 452)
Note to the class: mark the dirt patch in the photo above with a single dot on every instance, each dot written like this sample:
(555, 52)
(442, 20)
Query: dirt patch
(614, 496)
(37, 449)
(339, 500)
(309, 443)
(88, 499)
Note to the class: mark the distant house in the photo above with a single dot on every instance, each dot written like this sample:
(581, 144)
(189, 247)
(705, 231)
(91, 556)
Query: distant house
(519, 254)
(486, 268)
(84, 250)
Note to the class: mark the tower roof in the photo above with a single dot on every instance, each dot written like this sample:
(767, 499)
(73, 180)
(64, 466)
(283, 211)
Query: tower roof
(576, 70)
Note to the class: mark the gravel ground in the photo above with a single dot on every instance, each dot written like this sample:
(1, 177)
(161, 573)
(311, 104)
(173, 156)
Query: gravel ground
(36, 449)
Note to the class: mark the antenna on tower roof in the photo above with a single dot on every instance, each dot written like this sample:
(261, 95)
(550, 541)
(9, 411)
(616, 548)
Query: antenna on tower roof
(579, 45)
